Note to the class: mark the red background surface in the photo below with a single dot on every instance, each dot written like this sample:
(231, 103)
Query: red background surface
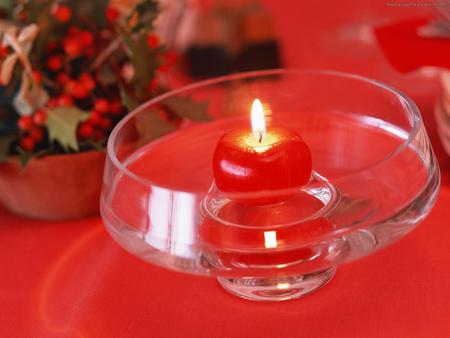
(69, 279)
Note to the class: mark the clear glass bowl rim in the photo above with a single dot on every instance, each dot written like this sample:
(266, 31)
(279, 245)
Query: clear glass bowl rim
(409, 106)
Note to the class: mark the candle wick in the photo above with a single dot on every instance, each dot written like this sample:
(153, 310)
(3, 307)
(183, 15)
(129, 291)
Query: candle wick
(260, 137)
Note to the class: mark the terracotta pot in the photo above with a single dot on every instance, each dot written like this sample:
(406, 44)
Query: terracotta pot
(53, 187)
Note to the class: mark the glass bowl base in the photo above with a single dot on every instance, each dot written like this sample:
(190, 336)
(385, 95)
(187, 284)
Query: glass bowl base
(275, 289)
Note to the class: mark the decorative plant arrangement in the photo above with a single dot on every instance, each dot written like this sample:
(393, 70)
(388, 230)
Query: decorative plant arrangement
(71, 70)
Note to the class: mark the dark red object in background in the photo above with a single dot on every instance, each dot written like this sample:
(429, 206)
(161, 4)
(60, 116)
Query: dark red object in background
(241, 164)
(406, 50)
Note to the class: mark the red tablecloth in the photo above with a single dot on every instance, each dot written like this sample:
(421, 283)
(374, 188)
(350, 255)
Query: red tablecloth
(69, 279)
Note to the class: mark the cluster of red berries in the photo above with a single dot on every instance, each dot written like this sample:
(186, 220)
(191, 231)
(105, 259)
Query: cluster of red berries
(77, 43)
(99, 121)
(32, 129)
(96, 127)
(65, 57)
(61, 13)
(112, 14)
(79, 88)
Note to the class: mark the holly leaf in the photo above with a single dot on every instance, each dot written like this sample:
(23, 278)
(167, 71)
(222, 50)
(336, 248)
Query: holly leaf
(129, 102)
(97, 145)
(151, 127)
(39, 13)
(62, 123)
(26, 156)
(94, 11)
(143, 16)
(144, 62)
(5, 144)
(106, 75)
(187, 108)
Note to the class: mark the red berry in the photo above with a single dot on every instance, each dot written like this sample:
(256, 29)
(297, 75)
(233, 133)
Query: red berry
(87, 81)
(95, 119)
(101, 105)
(51, 46)
(153, 85)
(27, 143)
(86, 38)
(76, 89)
(54, 63)
(152, 41)
(115, 107)
(89, 52)
(162, 114)
(170, 58)
(65, 100)
(37, 134)
(99, 135)
(53, 102)
(61, 13)
(37, 76)
(25, 122)
(85, 130)
(3, 52)
(105, 123)
(70, 86)
(80, 91)
(112, 14)
(62, 78)
(72, 47)
(39, 117)
(22, 15)
(73, 31)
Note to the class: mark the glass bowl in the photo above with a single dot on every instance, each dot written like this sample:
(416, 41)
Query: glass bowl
(375, 177)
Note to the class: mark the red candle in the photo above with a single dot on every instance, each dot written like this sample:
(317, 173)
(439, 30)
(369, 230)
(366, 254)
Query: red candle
(261, 160)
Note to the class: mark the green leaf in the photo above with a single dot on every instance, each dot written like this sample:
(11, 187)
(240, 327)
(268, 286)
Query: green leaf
(150, 126)
(62, 123)
(7, 4)
(144, 63)
(5, 143)
(93, 11)
(39, 12)
(144, 15)
(106, 75)
(96, 145)
(26, 156)
(129, 102)
(187, 108)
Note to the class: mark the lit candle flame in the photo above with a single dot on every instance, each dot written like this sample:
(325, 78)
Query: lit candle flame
(258, 121)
